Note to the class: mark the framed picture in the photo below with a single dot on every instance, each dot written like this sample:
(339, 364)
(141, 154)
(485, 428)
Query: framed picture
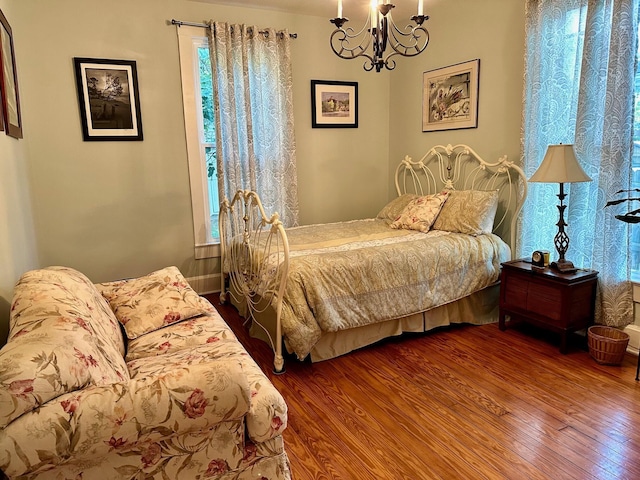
(10, 105)
(334, 104)
(450, 97)
(1, 114)
(108, 98)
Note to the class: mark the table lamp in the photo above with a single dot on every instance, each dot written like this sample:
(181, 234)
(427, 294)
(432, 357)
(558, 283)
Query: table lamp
(560, 166)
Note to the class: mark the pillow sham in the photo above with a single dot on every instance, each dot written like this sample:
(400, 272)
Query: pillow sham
(392, 210)
(421, 212)
(468, 211)
(153, 301)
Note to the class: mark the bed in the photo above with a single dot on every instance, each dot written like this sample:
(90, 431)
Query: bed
(430, 258)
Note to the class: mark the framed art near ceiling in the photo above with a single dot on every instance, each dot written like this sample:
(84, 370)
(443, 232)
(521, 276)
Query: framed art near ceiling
(10, 109)
(450, 97)
(334, 104)
(108, 99)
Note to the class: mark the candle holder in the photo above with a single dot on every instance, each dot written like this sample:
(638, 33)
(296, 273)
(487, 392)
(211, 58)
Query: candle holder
(339, 21)
(420, 19)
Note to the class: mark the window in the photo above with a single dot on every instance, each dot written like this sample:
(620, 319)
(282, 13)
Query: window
(197, 93)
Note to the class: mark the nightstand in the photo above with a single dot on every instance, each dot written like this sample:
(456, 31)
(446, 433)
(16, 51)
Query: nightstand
(559, 302)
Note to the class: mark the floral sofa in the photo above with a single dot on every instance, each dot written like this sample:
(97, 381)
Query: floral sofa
(180, 398)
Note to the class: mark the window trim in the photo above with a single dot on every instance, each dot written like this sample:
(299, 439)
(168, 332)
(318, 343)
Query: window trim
(189, 39)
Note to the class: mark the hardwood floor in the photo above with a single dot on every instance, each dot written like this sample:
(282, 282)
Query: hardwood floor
(463, 402)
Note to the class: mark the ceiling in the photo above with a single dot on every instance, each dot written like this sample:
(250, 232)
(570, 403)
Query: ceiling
(323, 8)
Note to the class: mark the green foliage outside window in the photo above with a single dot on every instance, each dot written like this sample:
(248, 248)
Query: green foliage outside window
(206, 92)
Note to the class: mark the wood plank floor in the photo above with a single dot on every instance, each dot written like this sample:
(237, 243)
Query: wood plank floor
(463, 402)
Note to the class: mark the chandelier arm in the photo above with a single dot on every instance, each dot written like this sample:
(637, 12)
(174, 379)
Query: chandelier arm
(416, 36)
(340, 43)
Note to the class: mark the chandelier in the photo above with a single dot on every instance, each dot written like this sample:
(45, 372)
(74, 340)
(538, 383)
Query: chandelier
(379, 32)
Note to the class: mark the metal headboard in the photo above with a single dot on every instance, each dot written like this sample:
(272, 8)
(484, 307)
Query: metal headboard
(459, 167)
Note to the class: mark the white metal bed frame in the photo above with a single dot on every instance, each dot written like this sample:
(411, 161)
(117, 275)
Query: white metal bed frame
(261, 286)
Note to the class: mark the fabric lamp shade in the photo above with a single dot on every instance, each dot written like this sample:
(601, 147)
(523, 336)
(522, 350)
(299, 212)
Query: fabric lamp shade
(560, 165)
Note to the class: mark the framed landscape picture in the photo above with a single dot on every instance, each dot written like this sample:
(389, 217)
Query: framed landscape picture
(108, 98)
(334, 104)
(10, 104)
(450, 97)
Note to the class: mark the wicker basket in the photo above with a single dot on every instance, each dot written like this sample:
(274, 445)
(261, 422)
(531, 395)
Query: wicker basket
(607, 345)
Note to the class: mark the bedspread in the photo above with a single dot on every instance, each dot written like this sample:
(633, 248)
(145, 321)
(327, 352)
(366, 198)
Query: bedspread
(347, 274)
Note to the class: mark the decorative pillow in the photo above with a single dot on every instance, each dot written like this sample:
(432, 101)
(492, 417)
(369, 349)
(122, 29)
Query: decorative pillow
(468, 211)
(421, 212)
(394, 208)
(58, 355)
(158, 299)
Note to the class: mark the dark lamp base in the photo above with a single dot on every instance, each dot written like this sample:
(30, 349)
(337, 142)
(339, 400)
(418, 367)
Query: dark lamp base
(564, 266)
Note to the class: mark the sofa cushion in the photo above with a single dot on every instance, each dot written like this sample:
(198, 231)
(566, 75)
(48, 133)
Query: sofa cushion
(147, 303)
(194, 332)
(62, 337)
(55, 356)
(125, 418)
(63, 291)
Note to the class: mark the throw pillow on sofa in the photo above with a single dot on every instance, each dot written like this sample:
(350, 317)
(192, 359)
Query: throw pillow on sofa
(58, 356)
(153, 301)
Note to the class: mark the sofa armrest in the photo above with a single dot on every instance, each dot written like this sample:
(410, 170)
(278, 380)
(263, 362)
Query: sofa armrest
(268, 411)
(100, 419)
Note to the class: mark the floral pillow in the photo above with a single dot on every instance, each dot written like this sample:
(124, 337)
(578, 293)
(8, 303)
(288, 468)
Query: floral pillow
(158, 299)
(468, 211)
(42, 362)
(394, 208)
(420, 213)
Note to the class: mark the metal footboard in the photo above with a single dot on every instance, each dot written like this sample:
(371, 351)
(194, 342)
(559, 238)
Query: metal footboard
(255, 261)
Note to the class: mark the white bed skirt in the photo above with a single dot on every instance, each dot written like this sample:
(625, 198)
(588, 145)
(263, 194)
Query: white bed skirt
(477, 309)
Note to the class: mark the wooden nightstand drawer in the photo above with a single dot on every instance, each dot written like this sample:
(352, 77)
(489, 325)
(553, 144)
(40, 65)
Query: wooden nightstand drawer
(517, 290)
(544, 300)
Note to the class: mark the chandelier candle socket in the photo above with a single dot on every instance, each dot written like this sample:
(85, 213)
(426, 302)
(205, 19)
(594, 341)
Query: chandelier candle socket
(379, 32)
(560, 165)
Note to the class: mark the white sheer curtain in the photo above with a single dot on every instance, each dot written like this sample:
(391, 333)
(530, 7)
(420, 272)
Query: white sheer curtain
(579, 85)
(253, 105)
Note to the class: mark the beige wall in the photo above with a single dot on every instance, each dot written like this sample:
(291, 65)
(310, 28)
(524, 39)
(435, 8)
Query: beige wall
(491, 30)
(17, 240)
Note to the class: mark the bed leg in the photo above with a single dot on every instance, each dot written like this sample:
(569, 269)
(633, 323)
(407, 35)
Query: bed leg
(278, 365)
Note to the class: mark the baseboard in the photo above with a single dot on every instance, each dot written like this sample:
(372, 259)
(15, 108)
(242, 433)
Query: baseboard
(204, 284)
(634, 338)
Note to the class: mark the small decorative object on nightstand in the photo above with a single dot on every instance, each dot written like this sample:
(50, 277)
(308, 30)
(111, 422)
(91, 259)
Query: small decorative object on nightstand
(540, 258)
(556, 301)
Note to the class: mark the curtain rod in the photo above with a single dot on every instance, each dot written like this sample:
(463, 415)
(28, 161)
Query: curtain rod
(204, 25)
